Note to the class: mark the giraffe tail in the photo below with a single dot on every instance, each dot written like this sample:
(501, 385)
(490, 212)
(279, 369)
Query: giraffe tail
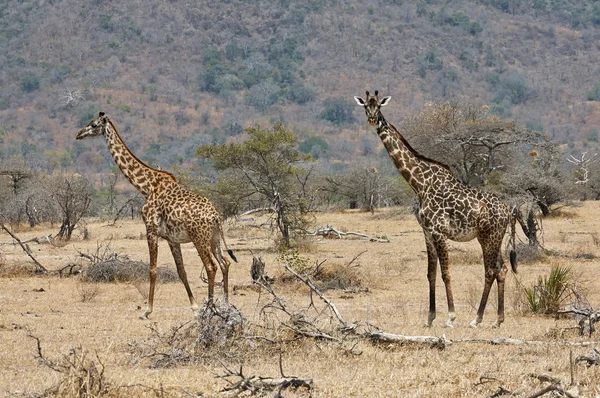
(228, 250)
(513, 252)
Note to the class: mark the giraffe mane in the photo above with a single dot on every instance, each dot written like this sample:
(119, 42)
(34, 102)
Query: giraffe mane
(414, 151)
(166, 173)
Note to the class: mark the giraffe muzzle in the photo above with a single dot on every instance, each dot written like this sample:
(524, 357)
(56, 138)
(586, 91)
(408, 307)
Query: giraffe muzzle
(372, 121)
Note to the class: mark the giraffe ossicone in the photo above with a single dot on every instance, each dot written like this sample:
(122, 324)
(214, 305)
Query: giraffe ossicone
(171, 212)
(448, 210)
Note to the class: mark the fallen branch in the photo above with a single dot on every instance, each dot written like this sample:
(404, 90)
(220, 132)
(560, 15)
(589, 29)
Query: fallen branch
(554, 386)
(40, 267)
(39, 240)
(384, 337)
(509, 341)
(257, 385)
(593, 359)
(331, 232)
(587, 321)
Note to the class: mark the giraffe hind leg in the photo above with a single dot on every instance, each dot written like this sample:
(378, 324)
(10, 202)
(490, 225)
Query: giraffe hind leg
(176, 251)
(222, 261)
(493, 266)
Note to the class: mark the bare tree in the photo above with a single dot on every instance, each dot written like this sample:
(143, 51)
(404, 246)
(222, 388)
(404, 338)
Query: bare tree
(72, 194)
(581, 172)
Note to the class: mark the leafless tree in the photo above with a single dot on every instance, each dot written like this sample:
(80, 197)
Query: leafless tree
(72, 194)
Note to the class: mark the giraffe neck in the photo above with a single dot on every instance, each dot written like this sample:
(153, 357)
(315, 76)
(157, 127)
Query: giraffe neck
(140, 175)
(412, 166)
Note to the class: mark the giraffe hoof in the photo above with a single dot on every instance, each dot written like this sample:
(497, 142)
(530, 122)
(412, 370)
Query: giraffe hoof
(496, 325)
(449, 324)
(474, 324)
(427, 324)
(144, 316)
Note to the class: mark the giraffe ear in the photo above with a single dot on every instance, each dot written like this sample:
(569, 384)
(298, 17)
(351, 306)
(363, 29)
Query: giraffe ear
(359, 101)
(385, 100)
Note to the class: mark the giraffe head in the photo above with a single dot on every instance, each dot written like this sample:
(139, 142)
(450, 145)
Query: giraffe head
(95, 127)
(372, 106)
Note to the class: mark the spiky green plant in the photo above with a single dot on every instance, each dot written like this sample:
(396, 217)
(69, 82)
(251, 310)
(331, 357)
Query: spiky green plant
(550, 292)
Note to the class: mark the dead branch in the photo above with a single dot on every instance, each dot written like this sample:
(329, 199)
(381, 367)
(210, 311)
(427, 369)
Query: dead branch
(384, 337)
(587, 320)
(257, 210)
(332, 232)
(499, 392)
(46, 239)
(329, 303)
(40, 268)
(593, 359)
(509, 341)
(555, 385)
(258, 385)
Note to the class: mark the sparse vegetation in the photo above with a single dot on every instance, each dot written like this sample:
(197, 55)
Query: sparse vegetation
(554, 291)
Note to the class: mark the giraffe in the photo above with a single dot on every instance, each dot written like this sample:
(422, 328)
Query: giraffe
(448, 209)
(170, 212)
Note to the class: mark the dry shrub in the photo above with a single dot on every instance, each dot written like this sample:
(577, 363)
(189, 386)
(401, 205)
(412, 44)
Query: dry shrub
(324, 276)
(337, 276)
(87, 291)
(121, 270)
(83, 377)
(16, 270)
(80, 375)
(219, 331)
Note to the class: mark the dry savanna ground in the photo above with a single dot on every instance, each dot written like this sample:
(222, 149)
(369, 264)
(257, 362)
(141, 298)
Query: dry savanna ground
(101, 319)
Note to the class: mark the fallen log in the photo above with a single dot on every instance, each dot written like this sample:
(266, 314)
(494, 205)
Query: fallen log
(332, 232)
(384, 337)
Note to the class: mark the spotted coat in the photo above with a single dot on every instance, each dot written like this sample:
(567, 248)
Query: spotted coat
(170, 212)
(447, 209)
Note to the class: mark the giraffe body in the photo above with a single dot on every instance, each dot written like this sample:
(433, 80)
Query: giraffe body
(171, 212)
(447, 210)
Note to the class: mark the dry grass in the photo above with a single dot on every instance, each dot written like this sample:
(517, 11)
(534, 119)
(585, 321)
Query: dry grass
(397, 301)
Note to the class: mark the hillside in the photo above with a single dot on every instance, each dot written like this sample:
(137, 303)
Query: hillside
(174, 74)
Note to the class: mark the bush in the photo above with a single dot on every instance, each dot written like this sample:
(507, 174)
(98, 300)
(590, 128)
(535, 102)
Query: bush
(118, 270)
(338, 111)
(594, 93)
(30, 83)
(552, 292)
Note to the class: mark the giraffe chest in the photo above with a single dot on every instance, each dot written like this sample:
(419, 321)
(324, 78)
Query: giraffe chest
(453, 219)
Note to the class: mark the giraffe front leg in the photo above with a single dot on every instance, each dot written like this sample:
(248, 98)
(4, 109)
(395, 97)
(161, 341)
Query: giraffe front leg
(153, 249)
(431, 275)
(442, 253)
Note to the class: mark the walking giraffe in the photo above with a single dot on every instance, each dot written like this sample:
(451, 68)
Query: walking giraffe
(448, 209)
(170, 212)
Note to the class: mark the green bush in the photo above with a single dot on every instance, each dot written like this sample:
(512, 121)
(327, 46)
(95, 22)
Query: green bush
(551, 292)
(30, 83)
(338, 111)
(594, 93)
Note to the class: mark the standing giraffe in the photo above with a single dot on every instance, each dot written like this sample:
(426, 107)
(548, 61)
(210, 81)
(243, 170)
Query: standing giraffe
(170, 212)
(448, 209)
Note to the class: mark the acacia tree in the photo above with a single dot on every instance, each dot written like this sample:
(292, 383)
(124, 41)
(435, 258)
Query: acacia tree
(464, 136)
(263, 170)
